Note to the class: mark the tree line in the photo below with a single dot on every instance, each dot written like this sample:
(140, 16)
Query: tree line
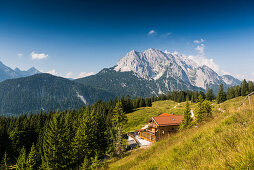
(235, 91)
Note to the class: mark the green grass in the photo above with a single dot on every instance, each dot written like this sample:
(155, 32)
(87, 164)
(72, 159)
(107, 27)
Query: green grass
(140, 117)
(224, 142)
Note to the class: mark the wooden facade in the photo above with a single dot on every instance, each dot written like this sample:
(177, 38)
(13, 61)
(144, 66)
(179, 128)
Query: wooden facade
(160, 127)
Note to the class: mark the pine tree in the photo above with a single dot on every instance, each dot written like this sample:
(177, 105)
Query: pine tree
(119, 119)
(86, 164)
(209, 95)
(95, 162)
(230, 93)
(250, 86)
(31, 159)
(207, 108)
(21, 162)
(4, 162)
(221, 96)
(237, 91)
(199, 114)
(55, 146)
(244, 88)
(187, 116)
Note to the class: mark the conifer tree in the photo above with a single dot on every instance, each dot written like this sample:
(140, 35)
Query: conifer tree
(31, 159)
(221, 96)
(21, 162)
(95, 162)
(244, 88)
(230, 93)
(199, 114)
(237, 91)
(86, 164)
(209, 95)
(55, 146)
(187, 116)
(250, 86)
(4, 162)
(207, 107)
(119, 119)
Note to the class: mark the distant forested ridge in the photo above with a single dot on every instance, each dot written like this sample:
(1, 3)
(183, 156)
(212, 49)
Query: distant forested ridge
(44, 93)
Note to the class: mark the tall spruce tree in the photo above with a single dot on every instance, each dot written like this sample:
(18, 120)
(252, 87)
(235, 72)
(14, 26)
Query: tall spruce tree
(119, 119)
(21, 162)
(230, 93)
(187, 116)
(4, 162)
(221, 96)
(244, 88)
(31, 159)
(209, 95)
(250, 86)
(55, 146)
(199, 112)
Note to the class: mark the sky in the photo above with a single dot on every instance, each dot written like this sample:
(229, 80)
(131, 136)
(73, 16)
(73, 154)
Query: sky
(72, 38)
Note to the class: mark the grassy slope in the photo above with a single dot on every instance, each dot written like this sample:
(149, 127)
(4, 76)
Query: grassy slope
(139, 117)
(225, 142)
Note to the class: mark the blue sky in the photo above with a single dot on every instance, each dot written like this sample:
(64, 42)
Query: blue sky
(77, 38)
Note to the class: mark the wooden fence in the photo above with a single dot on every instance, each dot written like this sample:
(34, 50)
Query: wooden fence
(247, 97)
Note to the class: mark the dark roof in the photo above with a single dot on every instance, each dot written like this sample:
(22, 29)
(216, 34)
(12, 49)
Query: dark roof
(168, 120)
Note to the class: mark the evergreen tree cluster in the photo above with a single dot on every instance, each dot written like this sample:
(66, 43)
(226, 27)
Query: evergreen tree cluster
(235, 91)
(63, 140)
(182, 96)
(203, 109)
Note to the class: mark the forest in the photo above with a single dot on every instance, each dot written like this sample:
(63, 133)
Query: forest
(83, 138)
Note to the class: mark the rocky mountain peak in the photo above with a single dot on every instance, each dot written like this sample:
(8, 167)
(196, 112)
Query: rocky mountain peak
(153, 64)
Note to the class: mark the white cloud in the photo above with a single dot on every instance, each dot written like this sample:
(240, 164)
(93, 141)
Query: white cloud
(53, 72)
(165, 35)
(68, 75)
(199, 41)
(84, 74)
(20, 54)
(201, 58)
(245, 76)
(151, 32)
(240, 76)
(38, 56)
(200, 49)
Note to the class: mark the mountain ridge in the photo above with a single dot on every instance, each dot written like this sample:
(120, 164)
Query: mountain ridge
(157, 72)
(8, 73)
(44, 92)
(152, 64)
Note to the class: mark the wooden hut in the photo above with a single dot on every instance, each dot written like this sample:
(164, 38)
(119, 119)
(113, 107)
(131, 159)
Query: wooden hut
(161, 126)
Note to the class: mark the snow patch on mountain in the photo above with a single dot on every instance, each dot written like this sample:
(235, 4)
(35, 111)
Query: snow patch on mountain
(81, 98)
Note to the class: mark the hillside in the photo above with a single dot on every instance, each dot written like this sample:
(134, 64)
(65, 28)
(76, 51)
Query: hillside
(44, 93)
(224, 142)
(140, 116)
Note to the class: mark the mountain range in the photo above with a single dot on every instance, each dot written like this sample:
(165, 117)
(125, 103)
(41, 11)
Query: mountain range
(44, 93)
(154, 72)
(8, 73)
(138, 74)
